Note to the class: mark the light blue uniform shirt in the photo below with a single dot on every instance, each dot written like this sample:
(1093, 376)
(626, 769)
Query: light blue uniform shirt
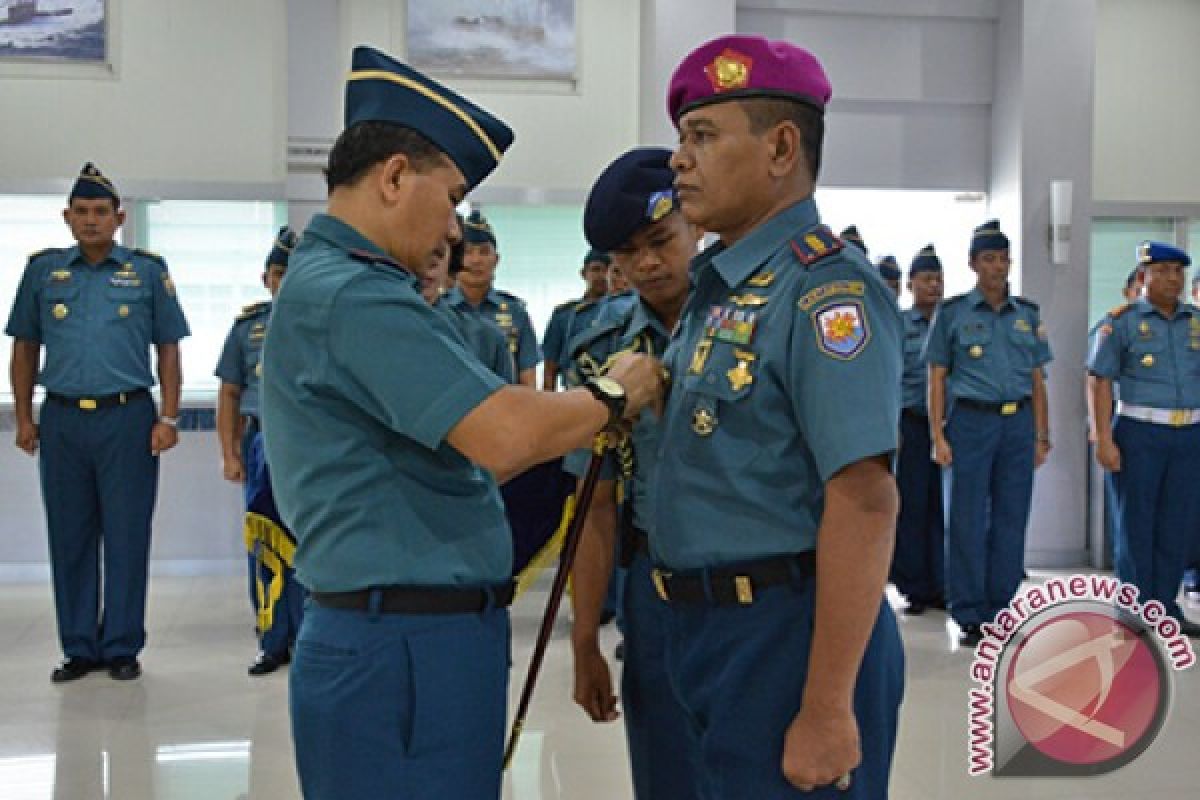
(639, 331)
(362, 381)
(916, 372)
(240, 363)
(786, 367)
(508, 313)
(1154, 360)
(97, 322)
(989, 355)
(566, 322)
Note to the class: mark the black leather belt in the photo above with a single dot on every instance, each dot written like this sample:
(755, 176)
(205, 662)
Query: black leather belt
(735, 584)
(421, 599)
(97, 403)
(1003, 409)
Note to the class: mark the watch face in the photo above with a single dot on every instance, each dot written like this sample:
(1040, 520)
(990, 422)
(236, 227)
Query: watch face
(610, 387)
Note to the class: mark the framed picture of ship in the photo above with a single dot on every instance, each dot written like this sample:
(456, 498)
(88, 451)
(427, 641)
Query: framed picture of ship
(73, 31)
(493, 38)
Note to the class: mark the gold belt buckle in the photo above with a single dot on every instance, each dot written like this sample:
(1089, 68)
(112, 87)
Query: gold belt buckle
(744, 588)
(1008, 409)
(658, 577)
(87, 404)
(1179, 417)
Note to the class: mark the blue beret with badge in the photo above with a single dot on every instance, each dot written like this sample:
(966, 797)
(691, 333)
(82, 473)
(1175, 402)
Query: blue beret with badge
(1149, 252)
(281, 250)
(851, 235)
(635, 190)
(889, 268)
(382, 89)
(594, 255)
(92, 183)
(925, 261)
(477, 230)
(988, 236)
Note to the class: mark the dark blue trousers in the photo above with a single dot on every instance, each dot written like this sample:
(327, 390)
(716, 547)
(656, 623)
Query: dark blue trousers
(400, 706)
(664, 748)
(99, 483)
(740, 673)
(1156, 506)
(917, 566)
(988, 489)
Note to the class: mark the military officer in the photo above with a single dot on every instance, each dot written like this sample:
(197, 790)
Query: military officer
(617, 284)
(1191, 577)
(1151, 348)
(387, 439)
(631, 210)
(476, 294)
(97, 308)
(773, 505)
(917, 566)
(889, 270)
(277, 599)
(574, 316)
(850, 235)
(990, 427)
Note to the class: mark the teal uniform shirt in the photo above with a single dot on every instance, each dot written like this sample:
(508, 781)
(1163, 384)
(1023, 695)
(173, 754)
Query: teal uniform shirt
(97, 322)
(240, 363)
(916, 372)
(989, 355)
(567, 321)
(507, 312)
(362, 381)
(785, 368)
(639, 331)
(484, 339)
(1155, 360)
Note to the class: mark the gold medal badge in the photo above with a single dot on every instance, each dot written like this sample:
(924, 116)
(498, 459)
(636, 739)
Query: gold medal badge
(740, 376)
(703, 422)
(60, 311)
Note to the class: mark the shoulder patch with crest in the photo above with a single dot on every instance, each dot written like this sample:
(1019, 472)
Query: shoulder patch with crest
(815, 245)
(841, 329)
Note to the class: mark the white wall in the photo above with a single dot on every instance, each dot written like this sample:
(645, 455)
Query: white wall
(196, 95)
(1147, 108)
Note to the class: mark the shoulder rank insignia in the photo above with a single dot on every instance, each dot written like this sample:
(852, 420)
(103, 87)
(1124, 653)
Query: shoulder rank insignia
(150, 255)
(253, 310)
(815, 245)
(1119, 310)
(44, 251)
(842, 330)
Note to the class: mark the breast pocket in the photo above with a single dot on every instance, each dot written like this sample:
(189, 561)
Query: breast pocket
(1025, 346)
(718, 405)
(973, 342)
(59, 303)
(1146, 359)
(124, 303)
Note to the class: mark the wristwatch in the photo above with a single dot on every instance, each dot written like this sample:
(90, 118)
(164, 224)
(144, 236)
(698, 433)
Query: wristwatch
(609, 392)
(172, 421)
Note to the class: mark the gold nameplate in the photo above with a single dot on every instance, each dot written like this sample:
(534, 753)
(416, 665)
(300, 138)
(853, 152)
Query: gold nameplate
(703, 422)
(744, 589)
(123, 311)
(751, 300)
(976, 351)
(1147, 360)
(1008, 409)
(258, 369)
(60, 311)
(761, 280)
(87, 404)
(700, 356)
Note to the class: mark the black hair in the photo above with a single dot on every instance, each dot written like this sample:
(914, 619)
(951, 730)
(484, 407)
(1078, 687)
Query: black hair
(365, 144)
(457, 250)
(766, 112)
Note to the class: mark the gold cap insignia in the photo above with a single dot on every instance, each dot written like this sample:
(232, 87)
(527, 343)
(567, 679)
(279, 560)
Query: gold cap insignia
(730, 70)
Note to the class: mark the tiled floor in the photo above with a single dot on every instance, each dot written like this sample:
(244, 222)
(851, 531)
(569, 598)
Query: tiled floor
(195, 727)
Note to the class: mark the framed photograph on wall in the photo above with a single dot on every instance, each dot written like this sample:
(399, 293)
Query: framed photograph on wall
(62, 31)
(493, 38)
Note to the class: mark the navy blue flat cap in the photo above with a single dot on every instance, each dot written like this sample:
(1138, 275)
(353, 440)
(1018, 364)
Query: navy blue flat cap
(1148, 252)
(477, 230)
(988, 236)
(92, 183)
(382, 89)
(281, 250)
(601, 256)
(889, 268)
(635, 190)
(851, 235)
(925, 261)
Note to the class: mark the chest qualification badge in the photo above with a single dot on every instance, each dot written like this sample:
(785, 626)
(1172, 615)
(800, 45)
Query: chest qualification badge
(704, 422)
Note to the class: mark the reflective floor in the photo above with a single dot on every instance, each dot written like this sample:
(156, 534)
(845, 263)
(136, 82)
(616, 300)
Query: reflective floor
(195, 727)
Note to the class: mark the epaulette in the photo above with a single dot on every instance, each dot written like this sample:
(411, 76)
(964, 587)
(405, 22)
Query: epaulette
(45, 251)
(583, 305)
(1119, 310)
(151, 255)
(1025, 302)
(510, 296)
(373, 258)
(815, 245)
(956, 298)
(589, 336)
(253, 310)
(569, 305)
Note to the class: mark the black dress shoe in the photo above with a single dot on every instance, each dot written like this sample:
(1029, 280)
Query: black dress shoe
(73, 669)
(124, 668)
(970, 635)
(266, 664)
(914, 609)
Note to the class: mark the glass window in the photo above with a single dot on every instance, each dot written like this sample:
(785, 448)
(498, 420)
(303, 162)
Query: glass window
(1114, 242)
(215, 251)
(28, 223)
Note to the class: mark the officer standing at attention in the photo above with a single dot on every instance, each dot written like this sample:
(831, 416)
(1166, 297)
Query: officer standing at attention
(278, 613)
(1151, 348)
(632, 212)
(97, 308)
(574, 316)
(990, 427)
(1191, 577)
(475, 294)
(889, 270)
(774, 507)
(387, 439)
(917, 567)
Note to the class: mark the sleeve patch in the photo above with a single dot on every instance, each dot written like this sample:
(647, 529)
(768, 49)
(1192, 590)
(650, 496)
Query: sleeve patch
(825, 291)
(842, 330)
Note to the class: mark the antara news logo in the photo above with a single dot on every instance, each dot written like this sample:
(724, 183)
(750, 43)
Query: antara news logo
(1073, 679)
